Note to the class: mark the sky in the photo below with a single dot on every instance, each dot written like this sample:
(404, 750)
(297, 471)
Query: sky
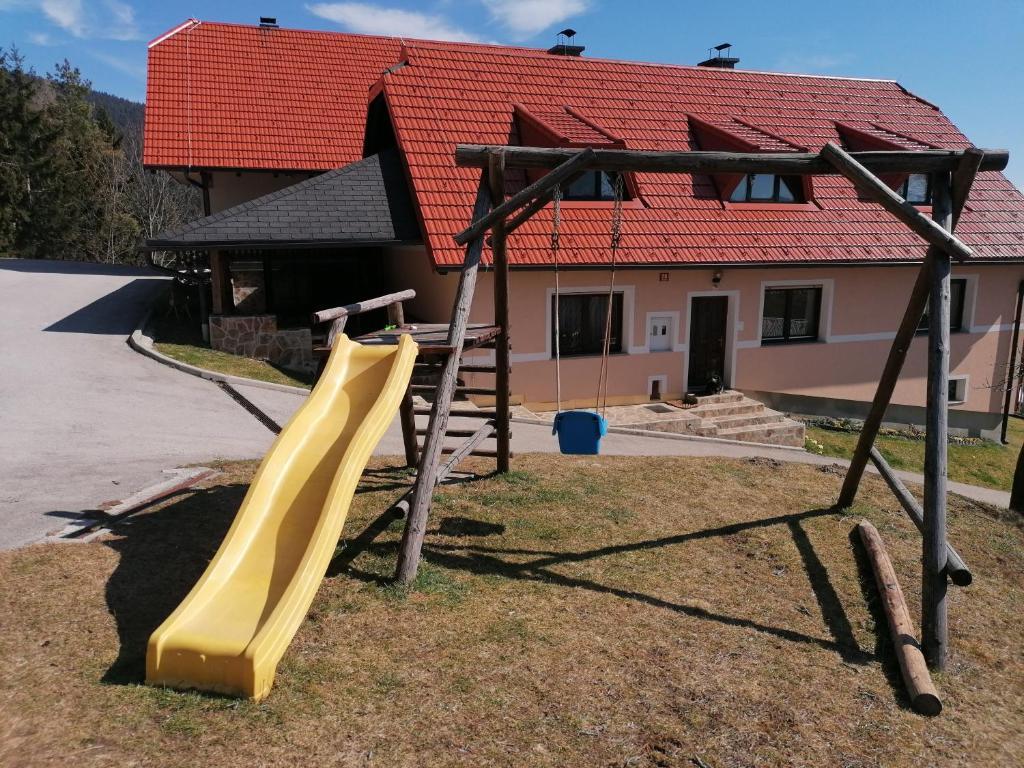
(966, 57)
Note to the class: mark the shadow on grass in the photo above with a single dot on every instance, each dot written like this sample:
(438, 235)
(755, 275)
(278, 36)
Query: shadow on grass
(491, 561)
(162, 555)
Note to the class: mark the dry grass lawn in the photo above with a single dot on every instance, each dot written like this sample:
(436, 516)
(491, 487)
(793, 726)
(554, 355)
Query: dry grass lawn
(579, 612)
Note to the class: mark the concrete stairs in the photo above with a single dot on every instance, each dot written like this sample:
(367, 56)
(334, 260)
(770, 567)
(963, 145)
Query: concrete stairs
(729, 415)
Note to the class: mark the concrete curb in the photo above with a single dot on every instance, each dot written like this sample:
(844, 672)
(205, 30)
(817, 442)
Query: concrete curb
(142, 342)
(88, 528)
(671, 436)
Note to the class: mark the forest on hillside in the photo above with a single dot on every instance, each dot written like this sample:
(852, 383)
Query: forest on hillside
(72, 185)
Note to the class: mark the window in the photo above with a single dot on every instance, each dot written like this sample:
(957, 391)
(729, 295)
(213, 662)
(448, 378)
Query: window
(917, 189)
(791, 314)
(582, 319)
(957, 390)
(593, 185)
(768, 188)
(957, 293)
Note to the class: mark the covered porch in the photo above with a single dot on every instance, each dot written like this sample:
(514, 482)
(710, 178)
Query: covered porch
(273, 261)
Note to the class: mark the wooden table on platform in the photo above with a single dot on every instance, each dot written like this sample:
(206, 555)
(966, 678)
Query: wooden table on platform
(432, 338)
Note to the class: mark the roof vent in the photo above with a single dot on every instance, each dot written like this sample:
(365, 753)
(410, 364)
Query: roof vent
(565, 46)
(720, 58)
(268, 22)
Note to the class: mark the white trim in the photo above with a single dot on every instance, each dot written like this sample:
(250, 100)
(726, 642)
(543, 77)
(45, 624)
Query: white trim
(970, 300)
(827, 285)
(529, 357)
(966, 379)
(731, 332)
(848, 337)
(176, 30)
(674, 344)
(663, 378)
(628, 302)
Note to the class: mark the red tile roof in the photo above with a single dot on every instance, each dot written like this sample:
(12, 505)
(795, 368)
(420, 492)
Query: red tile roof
(450, 94)
(230, 96)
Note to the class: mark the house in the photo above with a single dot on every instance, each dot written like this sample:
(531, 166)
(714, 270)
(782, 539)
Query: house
(787, 289)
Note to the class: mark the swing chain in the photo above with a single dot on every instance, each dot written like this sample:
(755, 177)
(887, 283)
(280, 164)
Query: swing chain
(617, 214)
(556, 224)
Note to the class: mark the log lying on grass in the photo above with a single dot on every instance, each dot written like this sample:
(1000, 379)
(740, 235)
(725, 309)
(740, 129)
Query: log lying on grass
(923, 696)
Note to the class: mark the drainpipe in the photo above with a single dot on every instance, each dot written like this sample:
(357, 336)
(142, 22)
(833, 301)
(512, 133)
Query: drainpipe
(1012, 373)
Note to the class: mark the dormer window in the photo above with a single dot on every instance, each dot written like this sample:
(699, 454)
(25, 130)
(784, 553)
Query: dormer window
(917, 189)
(768, 188)
(593, 185)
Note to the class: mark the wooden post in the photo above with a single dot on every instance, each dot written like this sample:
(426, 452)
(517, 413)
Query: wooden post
(963, 179)
(433, 442)
(1011, 372)
(923, 696)
(502, 344)
(865, 181)
(934, 629)
(220, 283)
(406, 415)
(959, 573)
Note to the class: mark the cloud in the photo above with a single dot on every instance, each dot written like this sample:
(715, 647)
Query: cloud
(122, 24)
(115, 21)
(69, 15)
(377, 20)
(41, 38)
(525, 18)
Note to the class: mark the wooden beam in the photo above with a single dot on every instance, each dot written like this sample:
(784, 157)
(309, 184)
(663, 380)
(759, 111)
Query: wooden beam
(326, 315)
(934, 621)
(401, 507)
(869, 184)
(536, 205)
(579, 160)
(789, 163)
(407, 418)
(963, 179)
(958, 571)
(426, 478)
(503, 343)
(220, 283)
(900, 346)
(923, 696)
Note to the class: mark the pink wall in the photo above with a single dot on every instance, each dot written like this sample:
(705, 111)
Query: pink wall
(861, 308)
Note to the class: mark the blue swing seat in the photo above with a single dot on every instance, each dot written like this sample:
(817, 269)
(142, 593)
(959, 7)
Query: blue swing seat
(580, 432)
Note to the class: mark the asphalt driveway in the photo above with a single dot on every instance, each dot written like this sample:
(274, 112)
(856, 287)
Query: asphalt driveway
(83, 418)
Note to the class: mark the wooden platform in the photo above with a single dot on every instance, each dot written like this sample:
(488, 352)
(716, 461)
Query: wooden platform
(432, 338)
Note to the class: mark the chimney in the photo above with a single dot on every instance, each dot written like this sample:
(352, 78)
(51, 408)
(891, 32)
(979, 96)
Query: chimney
(720, 58)
(565, 46)
(268, 22)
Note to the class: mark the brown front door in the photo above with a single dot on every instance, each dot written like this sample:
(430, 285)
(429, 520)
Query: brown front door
(708, 320)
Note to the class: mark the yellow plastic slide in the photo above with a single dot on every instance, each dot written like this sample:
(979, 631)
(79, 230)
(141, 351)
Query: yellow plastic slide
(232, 629)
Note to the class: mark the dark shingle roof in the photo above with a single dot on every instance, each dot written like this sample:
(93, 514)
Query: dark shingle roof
(364, 203)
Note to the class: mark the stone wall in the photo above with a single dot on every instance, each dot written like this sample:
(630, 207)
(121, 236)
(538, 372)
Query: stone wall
(258, 336)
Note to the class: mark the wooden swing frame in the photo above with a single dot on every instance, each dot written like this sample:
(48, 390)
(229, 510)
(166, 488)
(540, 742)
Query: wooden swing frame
(952, 175)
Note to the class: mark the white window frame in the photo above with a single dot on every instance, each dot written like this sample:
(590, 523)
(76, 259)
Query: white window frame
(966, 380)
(628, 302)
(827, 286)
